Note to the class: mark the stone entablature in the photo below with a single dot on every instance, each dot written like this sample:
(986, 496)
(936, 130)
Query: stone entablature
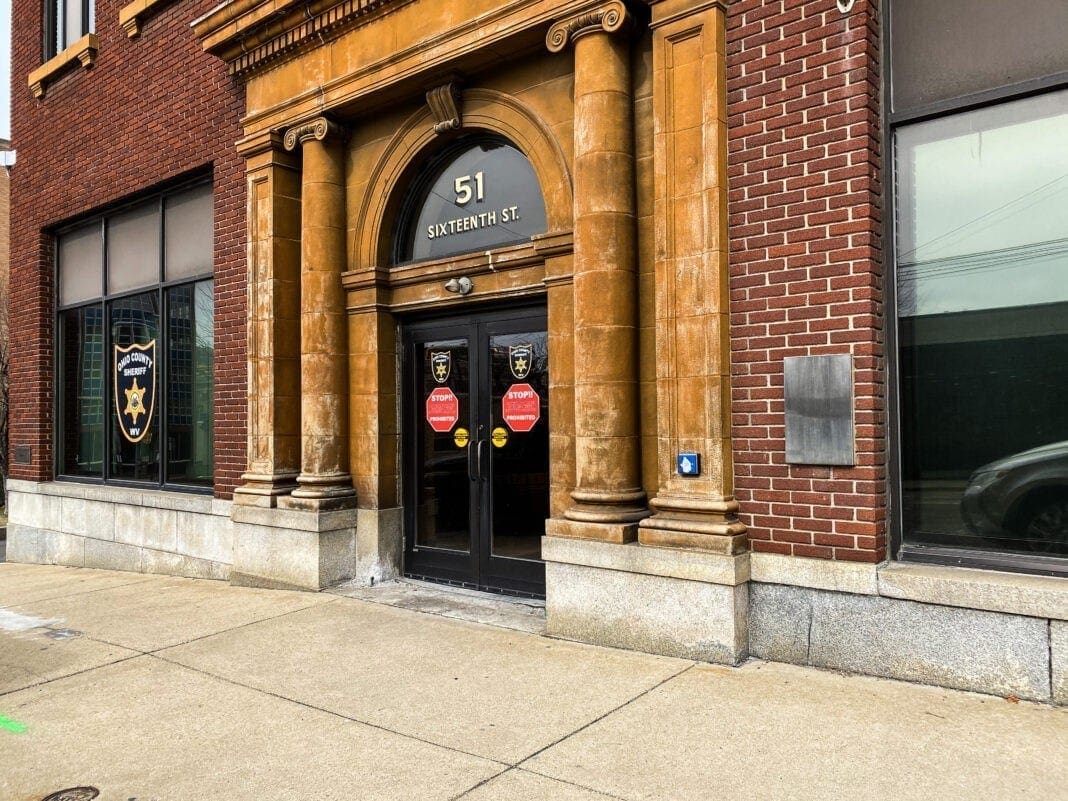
(248, 34)
(354, 62)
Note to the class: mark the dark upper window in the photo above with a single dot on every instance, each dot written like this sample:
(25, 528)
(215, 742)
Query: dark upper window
(979, 125)
(65, 22)
(479, 193)
(948, 49)
(136, 343)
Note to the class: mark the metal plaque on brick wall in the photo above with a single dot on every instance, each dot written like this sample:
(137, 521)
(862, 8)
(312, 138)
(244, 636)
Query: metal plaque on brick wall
(819, 410)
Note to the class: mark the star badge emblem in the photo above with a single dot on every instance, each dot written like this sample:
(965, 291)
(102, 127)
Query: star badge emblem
(135, 406)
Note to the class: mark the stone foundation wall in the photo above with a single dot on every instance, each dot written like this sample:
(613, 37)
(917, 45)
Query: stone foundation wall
(989, 632)
(997, 633)
(116, 528)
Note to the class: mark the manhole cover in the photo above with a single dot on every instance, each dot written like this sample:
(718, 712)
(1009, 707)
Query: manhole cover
(73, 794)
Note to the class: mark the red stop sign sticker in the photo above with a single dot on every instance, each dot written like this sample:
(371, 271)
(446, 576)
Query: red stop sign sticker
(442, 410)
(521, 407)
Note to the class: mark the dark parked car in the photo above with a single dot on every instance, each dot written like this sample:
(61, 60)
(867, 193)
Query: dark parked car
(1022, 497)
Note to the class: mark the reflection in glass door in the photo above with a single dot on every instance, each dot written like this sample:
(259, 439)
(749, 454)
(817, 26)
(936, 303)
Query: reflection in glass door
(476, 450)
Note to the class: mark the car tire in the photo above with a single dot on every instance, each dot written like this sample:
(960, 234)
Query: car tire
(1046, 525)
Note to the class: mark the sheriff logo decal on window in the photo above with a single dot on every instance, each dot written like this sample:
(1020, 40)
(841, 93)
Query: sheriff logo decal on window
(441, 365)
(519, 359)
(135, 389)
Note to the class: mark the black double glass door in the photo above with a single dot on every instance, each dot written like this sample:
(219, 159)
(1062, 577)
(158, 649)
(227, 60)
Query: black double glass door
(476, 450)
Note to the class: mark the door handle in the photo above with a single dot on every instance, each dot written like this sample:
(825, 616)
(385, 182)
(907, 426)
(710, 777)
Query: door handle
(478, 456)
(471, 447)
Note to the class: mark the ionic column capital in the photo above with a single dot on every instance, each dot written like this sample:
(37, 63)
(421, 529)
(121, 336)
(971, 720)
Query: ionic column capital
(608, 17)
(321, 128)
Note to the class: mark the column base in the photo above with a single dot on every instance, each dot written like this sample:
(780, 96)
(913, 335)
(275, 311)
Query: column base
(685, 604)
(264, 489)
(602, 532)
(321, 493)
(291, 549)
(316, 503)
(694, 523)
(611, 508)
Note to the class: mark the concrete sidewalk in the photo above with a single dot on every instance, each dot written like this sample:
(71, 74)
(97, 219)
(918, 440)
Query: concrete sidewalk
(150, 687)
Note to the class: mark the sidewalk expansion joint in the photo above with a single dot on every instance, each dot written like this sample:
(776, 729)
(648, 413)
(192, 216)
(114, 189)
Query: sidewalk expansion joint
(331, 712)
(519, 765)
(568, 782)
(152, 651)
(80, 592)
(136, 655)
(137, 652)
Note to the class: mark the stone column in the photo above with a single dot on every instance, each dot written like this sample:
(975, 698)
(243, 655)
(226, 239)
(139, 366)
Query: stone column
(273, 322)
(692, 281)
(608, 499)
(324, 480)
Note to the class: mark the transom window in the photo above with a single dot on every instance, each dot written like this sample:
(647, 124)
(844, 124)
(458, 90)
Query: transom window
(136, 343)
(480, 193)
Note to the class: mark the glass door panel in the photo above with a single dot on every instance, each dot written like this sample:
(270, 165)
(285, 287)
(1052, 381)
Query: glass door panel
(476, 450)
(444, 501)
(519, 402)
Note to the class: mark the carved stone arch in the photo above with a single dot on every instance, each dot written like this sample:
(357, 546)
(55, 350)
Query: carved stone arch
(483, 110)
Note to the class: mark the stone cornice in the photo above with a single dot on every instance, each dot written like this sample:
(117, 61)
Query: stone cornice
(609, 17)
(248, 34)
(320, 128)
(669, 11)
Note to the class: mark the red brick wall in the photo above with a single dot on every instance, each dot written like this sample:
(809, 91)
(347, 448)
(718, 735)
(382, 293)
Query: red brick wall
(805, 233)
(151, 109)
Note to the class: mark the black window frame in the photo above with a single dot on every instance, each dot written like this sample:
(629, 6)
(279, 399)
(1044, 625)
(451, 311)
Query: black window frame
(892, 120)
(54, 21)
(104, 301)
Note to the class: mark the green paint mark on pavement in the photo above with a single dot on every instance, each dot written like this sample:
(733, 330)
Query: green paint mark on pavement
(12, 725)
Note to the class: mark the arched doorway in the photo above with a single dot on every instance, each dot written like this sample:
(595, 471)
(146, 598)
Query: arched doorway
(475, 381)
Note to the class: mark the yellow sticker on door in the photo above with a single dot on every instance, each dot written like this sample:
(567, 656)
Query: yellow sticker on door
(461, 437)
(499, 437)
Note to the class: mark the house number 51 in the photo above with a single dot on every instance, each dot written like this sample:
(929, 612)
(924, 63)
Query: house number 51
(463, 189)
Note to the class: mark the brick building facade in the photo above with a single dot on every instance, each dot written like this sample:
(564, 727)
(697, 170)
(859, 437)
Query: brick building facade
(805, 227)
(678, 314)
(98, 137)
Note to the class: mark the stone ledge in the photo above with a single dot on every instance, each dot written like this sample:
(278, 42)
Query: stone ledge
(160, 499)
(83, 52)
(966, 588)
(294, 519)
(993, 591)
(818, 574)
(132, 16)
(709, 568)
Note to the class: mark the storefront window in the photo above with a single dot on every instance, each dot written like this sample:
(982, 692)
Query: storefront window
(135, 395)
(982, 296)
